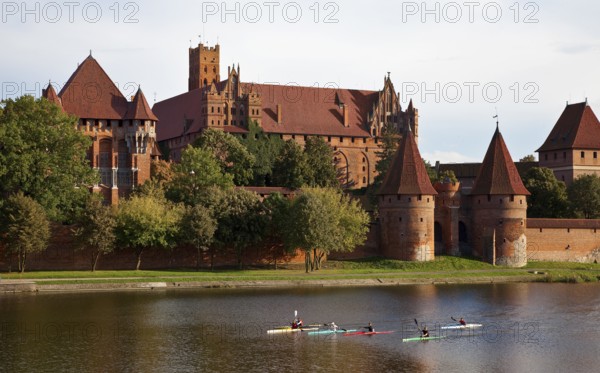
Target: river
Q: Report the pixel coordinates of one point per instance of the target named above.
(527, 327)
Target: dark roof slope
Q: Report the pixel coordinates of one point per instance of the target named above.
(577, 128)
(407, 173)
(498, 173)
(50, 95)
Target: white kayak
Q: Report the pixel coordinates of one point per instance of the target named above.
(468, 326)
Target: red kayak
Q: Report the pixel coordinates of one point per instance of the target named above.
(367, 333)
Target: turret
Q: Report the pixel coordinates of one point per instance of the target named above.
(499, 206)
(406, 206)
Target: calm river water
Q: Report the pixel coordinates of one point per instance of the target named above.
(528, 328)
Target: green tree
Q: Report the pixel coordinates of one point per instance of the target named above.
(528, 158)
(148, 223)
(291, 167)
(323, 220)
(278, 211)
(242, 222)
(584, 196)
(389, 140)
(96, 230)
(233, 157)
(265, 148)
(548, 197)
(319, 158)
(43, 155)
(447, 177)
(26, 227)
(197, 170)
(198, 229)
(431, 172)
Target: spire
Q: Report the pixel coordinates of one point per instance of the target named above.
(498, 173)
(50, 94)
(139, 108)
(410, 107)
(407, 173)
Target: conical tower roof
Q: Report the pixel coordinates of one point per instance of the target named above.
(50, 95)
(139, 108)
(407, 173)
(498, 173)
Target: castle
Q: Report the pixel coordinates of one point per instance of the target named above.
(484, 215)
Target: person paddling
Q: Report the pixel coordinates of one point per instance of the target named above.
(425, 332)
(369, 328)
(333, 326)
(462, 322)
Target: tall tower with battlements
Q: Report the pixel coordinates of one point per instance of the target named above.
(204, 66)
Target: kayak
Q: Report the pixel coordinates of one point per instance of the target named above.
(306, 326)
(331, 331)
(289, 330)
(366, 333)
(416, 339)
(468, 326)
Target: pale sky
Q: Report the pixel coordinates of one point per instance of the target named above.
(458, 61)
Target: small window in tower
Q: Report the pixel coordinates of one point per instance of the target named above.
(305, 138)
(341, 139)
(364, 140)
(419, 198)
(512, 198)
(364, 180)
(595, 155)
(389, 200)
(541, 230)
(489, 198)
(563, 177)
(421, 220)
(409, 199)
(364, 160)
(328, 138)
(427, 200)
(212, 109)
(293, 137)
(364, 169)
(399, 219)
(582, 154)
(225, 122)
(500, 200)
(353, 140)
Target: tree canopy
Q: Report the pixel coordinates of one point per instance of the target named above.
(43, 155)
(319, 159)
(548, 197)
(291, 169)
(96, 229)
(148, 222)
(233, 157)
(584, 196)
(265, 148)
(26, 227)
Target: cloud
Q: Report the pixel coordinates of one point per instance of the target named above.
(577, 48)
(448, 157)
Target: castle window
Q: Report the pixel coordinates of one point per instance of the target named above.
(512, 198)
(409, 199)
(212, 122)
(328, 138)
(421, 220)
(521, 201)
(305, 137)
(341, 139)
(500, 200)
(212, 109)
(568, 230)
(389, 200)
(427, 200)
(219, 110)
(364, 140)
(541, 230)
(489, 198)
(353, 140)
(364, 160)
(293, 137)
(225, 122)
(364, 169)
(563, 177)
(595, 155)
(242, 123)
(219, 122)
(399, 219)
(364, 180)
(582, 154)
(419, 198)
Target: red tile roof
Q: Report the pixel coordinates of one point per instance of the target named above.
(577, 128)
(407, 173)
(305, 110)
(50, 94)
(498, 173)
(139, 108)
(179, 115)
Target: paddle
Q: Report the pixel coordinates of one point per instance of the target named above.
(453, 319)
(418, 328)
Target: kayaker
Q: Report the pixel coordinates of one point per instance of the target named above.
(425, 332)
(297, 323)
(333, 326)
(462, 322)
(369, 328)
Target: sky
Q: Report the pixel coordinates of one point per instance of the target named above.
(461, 62)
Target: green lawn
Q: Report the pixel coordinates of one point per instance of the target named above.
(444, 267)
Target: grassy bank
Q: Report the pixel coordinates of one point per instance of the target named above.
(443, 268)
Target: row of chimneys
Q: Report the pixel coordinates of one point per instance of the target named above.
(344, 108)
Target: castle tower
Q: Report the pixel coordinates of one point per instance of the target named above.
(204, 66)
(572, 147)
(499, 208)
(406, 206)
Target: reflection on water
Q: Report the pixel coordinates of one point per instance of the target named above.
(528, 327)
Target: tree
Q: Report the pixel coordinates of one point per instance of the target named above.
(528, 158)
(431, 172)
(96, 230)
(242, 222)
(319, 158)
(232, 156)
(197, 170)
(265, 149)
(584, 196)
(447, 177)
(43, 155)
(26, 227)
(147, 222)
(278, 211)
(548, 197)
(390, 140)
(291, 167)
(199, 228)
(323, 220)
